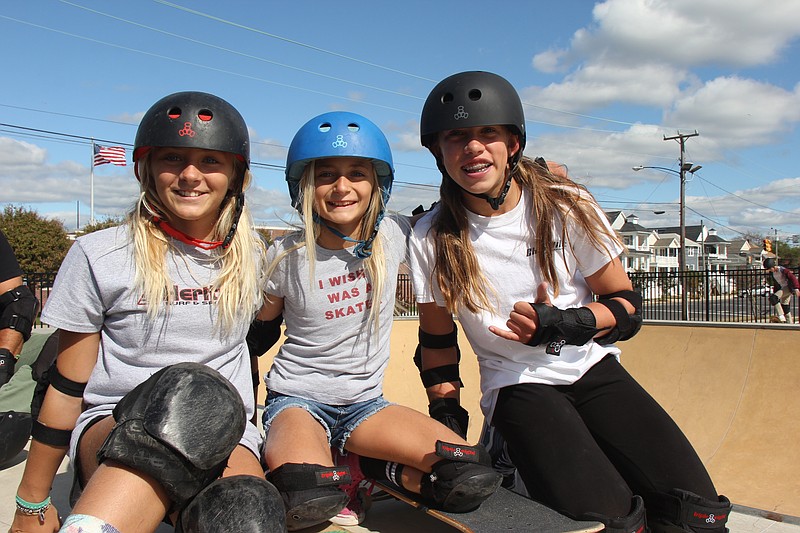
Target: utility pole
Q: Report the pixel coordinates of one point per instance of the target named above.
(681, 138)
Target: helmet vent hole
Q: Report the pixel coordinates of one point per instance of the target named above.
(174, 112)
(447, 98)
(325, 127)
(475, 94)
(205, 115)
(353, 127)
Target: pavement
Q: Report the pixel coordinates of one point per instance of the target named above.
(385, 516)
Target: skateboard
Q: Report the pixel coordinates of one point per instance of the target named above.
(502, 511)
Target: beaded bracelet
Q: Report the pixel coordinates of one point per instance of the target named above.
(32, 509)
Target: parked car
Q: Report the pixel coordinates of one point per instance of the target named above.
(755, 291)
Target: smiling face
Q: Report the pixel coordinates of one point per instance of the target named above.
(191, 184)
(343, 188)
(477, 158)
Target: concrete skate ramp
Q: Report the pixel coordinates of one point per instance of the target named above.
(735, 392)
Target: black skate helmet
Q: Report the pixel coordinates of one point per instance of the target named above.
(769, 262)
(193, 119)
(470, 99)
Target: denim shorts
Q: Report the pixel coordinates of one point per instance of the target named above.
(339, 421)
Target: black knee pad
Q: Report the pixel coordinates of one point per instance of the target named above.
(683, 511)
(773, 299)
(633, 522)
(15, 430)
(787, 308)
(462, 480)
(179, 427)
(310, 492)
(237, 503)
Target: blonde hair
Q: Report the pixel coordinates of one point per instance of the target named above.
(456, 268)
(374, 265)
(237, 285)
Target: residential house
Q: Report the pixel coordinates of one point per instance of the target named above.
(636, 238)
(744, 254)
(666, 250)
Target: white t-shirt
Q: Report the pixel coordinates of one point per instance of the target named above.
(94, 291)
(331, 353)
(504, 247)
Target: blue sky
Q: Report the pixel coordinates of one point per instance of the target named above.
(602, 84)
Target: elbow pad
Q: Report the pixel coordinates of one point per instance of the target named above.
(440, 374)
(627, 325)
(18, 309)
(263, 335)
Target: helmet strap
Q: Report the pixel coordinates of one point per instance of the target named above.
(363, 248)
(199, 243)
(237, 213)
(498, 200)
(164, 226)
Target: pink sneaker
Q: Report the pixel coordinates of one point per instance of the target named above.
(359, 501)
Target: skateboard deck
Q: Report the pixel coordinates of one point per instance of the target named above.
(502, 511)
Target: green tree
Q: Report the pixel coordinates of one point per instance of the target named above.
(789, 256)
(97, 225)
(39, 243)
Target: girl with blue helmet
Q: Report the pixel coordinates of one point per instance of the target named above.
(334, 281)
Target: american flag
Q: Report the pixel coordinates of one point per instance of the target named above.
(109, 154)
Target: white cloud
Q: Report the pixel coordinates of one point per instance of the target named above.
(738, 112)
(16, 155)
(598, 85)
(681, 32)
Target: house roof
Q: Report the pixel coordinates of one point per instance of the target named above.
(630, 227)
(716, 239)
(692, 232)
(665, 242)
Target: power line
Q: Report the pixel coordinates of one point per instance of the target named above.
(300, 69)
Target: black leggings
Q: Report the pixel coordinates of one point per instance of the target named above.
(589, 446)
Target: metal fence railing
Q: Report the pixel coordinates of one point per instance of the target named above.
(725, 296)
(710, 296)
(40, 284)
(706, 296)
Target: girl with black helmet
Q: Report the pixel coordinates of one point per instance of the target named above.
(152, 392)
(334, 281)
(519, 254)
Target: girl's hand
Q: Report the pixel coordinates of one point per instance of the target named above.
(30, 523)
(523, 320)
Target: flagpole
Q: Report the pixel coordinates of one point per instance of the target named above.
(91, 188)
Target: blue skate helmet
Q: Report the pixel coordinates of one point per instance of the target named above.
(341, 134)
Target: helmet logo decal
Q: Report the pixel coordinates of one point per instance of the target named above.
(187, 130)
(339, 142)
(460, 113)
